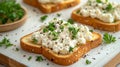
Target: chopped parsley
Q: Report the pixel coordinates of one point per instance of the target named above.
(10, 10)
(109, 7)
(45, 30)
(78, 11)
(5, 42)
(39, 58)
(55, 34)
(71, 21)
(98, 1)
(91, 30)
(17, 49)
(51, 26)
(34, 40)
(108, 38)
(29, 58)
(43, 18)
(61, 27)
(74, 31)
(71, 49)
(58, 14)
(88, 62)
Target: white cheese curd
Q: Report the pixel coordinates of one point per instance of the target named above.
(51, 1)
(61, 36)
(101, 9)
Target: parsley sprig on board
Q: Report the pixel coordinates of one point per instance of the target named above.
(10, 11)
(108, 38)
(5, 42)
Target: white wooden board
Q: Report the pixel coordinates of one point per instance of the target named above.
(99, 56)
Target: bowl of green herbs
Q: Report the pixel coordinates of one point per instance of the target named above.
(12, 15)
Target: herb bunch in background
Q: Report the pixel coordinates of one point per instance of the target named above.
(10, 11)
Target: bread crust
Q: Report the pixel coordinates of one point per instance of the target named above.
(96, 23)
(65, 60)
(50, 7)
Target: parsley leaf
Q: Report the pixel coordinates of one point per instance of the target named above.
(61, 27)
(29, 58)
(55, 34)
(5, 42)
(71, 21)
(91, 30)
(88, 62)
(39, 58)
(43, 18)
(71, 49)
(58, 14)
(74, 32)
(34, 40)
(109, 7)
(98, 1)
(17, 49)
(108, 38)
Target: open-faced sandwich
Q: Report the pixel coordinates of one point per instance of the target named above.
(49, 6)
(12, 15)
(100, 14)
(61, 42)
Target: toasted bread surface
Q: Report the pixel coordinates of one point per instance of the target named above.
(96, 23)
(68, 59)
(52, 7)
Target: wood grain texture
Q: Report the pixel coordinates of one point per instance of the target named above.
(8, 62)
(114, 62)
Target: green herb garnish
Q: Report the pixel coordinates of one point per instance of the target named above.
(34, 40)
(74, 32)
(55, 34)
(91, 30)
(98, 1)
(108, 38)
(71, 49)
(78, 11)
(10, 10)
(43, 18)
(88, 62)
(45, 30)
(29, 58)
(61, 27)
(109, 7)
(58, 14)
(71, 21)
(5, 42)
(17, 49)
(39, 59)
(51, 26)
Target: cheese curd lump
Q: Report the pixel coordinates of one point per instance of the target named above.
(61, 37)
(101, 9)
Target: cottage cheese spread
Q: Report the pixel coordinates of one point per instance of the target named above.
(101, 9)
(51, 1)
(61, 36)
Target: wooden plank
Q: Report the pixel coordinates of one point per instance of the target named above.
(114, 62)
(8, 62)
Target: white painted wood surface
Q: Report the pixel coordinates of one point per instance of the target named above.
(99, 56)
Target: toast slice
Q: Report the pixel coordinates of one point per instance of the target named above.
(52, 7)
(96, 23)
(68, 59)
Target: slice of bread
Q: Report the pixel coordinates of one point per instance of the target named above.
(68, 59)
(96, 23)
(52, 7)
